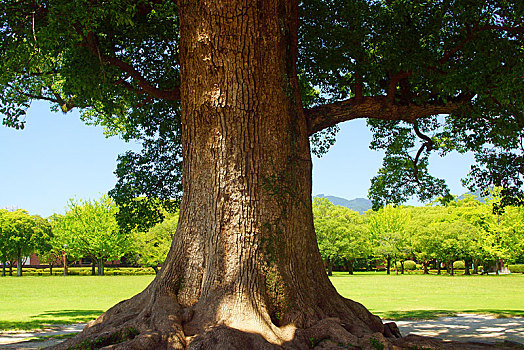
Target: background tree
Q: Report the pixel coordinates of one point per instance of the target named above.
(387, 227)
(329, 232)
(22, 235)
(356, 235)
(7, 252)
(503, 231)
(66, 241)
(341, 234)
(89, 229)
(424, 238)
(476, 215)
(151, 247)
(232, 81)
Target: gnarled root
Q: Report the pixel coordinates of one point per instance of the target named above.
(149, 320)
(153, 319)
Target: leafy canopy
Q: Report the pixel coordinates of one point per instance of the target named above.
(439, 75)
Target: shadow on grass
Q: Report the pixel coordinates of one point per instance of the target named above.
(432, 314)
(69, 313)
(50, 318)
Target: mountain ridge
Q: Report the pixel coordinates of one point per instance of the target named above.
(357, 204)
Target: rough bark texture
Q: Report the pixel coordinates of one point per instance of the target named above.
(244, 270)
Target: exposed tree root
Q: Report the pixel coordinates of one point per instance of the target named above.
(154, 320)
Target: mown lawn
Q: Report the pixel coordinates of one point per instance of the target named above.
(31, 302)
(422, 296)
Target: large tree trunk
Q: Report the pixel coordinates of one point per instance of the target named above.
(244, 270)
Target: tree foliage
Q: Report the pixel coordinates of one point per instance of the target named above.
(426, 54)
(21, 235)
(89, 230)
(399, 63)
(341, 233)
(151, 247)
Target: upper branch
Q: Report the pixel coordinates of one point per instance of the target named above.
(471, 32)
(91, 42)
(428, 145)
(377, 107)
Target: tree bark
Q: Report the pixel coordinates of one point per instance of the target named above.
(467, 263)
(244, 270)
(425, 270)
(330, 267)
(100, 268)
(3, 269)
(19, 263)
(388, 265)
(351, 263)
(395, 265)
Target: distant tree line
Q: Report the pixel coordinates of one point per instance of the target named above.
(88, 230)
(437, 234)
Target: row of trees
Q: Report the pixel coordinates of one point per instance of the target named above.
(88, 229)
(461, 230)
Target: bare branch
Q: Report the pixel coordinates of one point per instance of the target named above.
(428, 145)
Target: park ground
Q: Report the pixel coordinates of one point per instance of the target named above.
(482, 308)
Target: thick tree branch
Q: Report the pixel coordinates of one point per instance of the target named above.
(377, 107)
(393, 82)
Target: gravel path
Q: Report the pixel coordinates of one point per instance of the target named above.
(18, 340)
(463, 327)
(468, 327)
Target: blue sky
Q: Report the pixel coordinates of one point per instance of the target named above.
(57, 157)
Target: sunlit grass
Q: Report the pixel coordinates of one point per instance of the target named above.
(31, 302)
(422, 296)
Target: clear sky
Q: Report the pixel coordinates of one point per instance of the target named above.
(57, 157)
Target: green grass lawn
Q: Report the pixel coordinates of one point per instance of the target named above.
(428, 296)
(31, 302)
